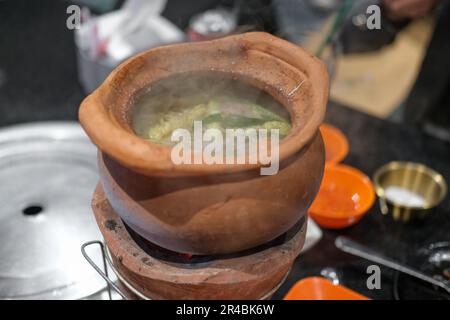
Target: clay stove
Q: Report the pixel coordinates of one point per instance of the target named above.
(206, 231)
(157, 273)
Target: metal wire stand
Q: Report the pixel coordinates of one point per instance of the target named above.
(107, 262)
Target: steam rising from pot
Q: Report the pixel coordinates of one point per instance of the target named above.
(218, 104)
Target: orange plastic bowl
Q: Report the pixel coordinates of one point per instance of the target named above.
(317, 288)
(344, 197)
(336, 144)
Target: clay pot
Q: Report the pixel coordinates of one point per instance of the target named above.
(210, 209)
(253, 274)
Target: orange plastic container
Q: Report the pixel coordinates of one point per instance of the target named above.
(317, 288)
(336, 144)
(344, 197)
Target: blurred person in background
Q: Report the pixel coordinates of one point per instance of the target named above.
(407, 9)
(428, 103)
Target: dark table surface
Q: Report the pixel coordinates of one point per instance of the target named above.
(38, 81)
(374, 142)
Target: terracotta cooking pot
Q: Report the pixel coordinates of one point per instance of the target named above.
(220, 208)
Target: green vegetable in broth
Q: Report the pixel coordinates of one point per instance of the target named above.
(231, 121)
(216, 99)
(243, 107)
(283, 126)
(171, 121)
(221, 113)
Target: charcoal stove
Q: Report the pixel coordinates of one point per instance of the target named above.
(147, 271)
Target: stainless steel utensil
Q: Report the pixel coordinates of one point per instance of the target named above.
(359, 250)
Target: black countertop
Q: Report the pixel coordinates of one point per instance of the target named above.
(374, 142)
(38, 73)
(38, 81)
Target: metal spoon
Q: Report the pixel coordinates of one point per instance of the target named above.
(356, 249)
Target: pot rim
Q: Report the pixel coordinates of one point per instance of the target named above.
(150, 158)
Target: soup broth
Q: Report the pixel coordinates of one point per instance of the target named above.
(217, 100)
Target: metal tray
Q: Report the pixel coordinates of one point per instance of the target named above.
(47, 176)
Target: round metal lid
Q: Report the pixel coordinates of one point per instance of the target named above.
(47, 176)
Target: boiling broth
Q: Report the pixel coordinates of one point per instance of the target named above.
(217, 100)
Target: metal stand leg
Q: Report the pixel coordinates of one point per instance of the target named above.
(104, 274)
(107, 261)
